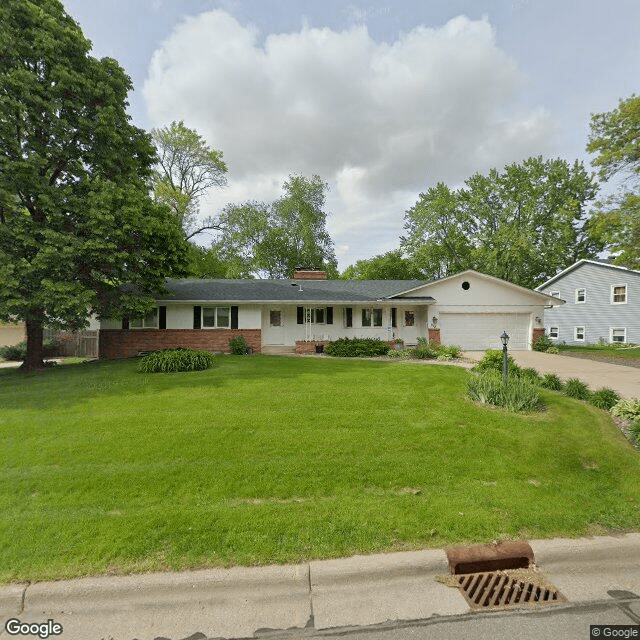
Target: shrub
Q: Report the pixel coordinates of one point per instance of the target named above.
(357, 347)
(448, 351)
(604, 399)
(627, 409)
(575, 388)
(18, 351)
(542, 343)
(634, 432)
(400, 353)
(492, 361)
(517, 395)
(425, 350)
(170, 360)
(529, 374)
(554, 350)
(238, 346)
(551, 381)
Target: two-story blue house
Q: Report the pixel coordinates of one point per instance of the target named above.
(602, 304)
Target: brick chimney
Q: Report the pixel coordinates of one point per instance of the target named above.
(309, 274)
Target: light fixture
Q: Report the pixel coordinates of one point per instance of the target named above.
(505, 363)
(505, 338)
(434, 321)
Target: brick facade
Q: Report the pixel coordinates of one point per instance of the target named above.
(536, 333)
(309, 346)
(434, 335)
(123, 343)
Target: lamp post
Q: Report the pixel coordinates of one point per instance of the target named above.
(505, 365)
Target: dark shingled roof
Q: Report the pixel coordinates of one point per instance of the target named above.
(287, 290)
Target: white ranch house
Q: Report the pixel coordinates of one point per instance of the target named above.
(300, 315)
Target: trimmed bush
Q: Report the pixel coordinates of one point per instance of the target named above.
(171, 360)
(604, 399)
(517, 395)
(577, 389)
(551, 381)
(627, 409)
(543, 343)
(357, 348)
(492, 361)
(238, 346)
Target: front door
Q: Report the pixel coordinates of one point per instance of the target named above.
(409, 326)
(274, 329)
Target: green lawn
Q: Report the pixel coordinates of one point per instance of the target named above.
(622, 353)
(276, 459)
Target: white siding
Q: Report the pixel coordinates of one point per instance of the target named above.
(597, 314)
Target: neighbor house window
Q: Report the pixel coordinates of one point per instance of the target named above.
(216, 317)
(150, 321)
(581, 295)
(372, 317)
(553, 332)
(619, 294)
(578, 334)
(618, 334)
(409, 318)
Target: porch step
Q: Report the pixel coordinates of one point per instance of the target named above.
(278, 350)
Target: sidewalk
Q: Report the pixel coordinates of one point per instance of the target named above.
(363, 590)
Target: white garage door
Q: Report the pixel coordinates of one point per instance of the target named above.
(479, 331)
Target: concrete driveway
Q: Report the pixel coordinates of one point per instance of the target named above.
(624, 380)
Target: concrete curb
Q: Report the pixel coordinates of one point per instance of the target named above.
(361, 590)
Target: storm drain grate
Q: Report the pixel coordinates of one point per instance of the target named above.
(498, 589)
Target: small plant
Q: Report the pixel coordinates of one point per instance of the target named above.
(551, 381)
(577, 389)
(530, 375)
(17, 352)
(627, 409)
(554, 350)
(357, 348)
(604, 399)
(634, 432)
(172, 360)
(238, 346)
(543, 343)
(517, 395)
(425, 351)
(449, 351)
(400, 354)
(492, 361)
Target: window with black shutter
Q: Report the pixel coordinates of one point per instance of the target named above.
(348, 317)
(394, 321)
(329, 315)
(162, 317)
(300, 315)
(197, 319)
(234, 317)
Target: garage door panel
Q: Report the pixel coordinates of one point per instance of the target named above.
(475, 331)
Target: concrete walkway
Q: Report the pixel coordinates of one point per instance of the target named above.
(362, 590)
(624, 380)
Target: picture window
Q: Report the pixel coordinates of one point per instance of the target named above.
(216, 317)
(150, 321)
(372, 317)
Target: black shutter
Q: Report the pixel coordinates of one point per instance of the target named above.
(125, 324)
(329, 315)
(234, 317)
(349, 317)
(162, 317)
(300, 315)
(394, 321)
(197, 319)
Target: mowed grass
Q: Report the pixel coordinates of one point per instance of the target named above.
(630, 353)
(274, 459)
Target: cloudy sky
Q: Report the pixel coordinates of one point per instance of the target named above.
(382, 99)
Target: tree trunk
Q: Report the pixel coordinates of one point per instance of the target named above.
(33, 360)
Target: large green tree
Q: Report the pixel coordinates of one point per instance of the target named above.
(387, 266)
(522, 224)
(76, 218)
(615, 139)
(187, 168)
(272, 240)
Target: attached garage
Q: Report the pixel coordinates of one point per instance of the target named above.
(480, 331)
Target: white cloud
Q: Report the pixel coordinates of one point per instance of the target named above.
(378, 121)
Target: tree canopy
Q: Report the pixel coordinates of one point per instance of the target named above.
(273, 239)
(523, 224)
(76, 219)
(387, 266)
(186, 169)
(615, 139)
